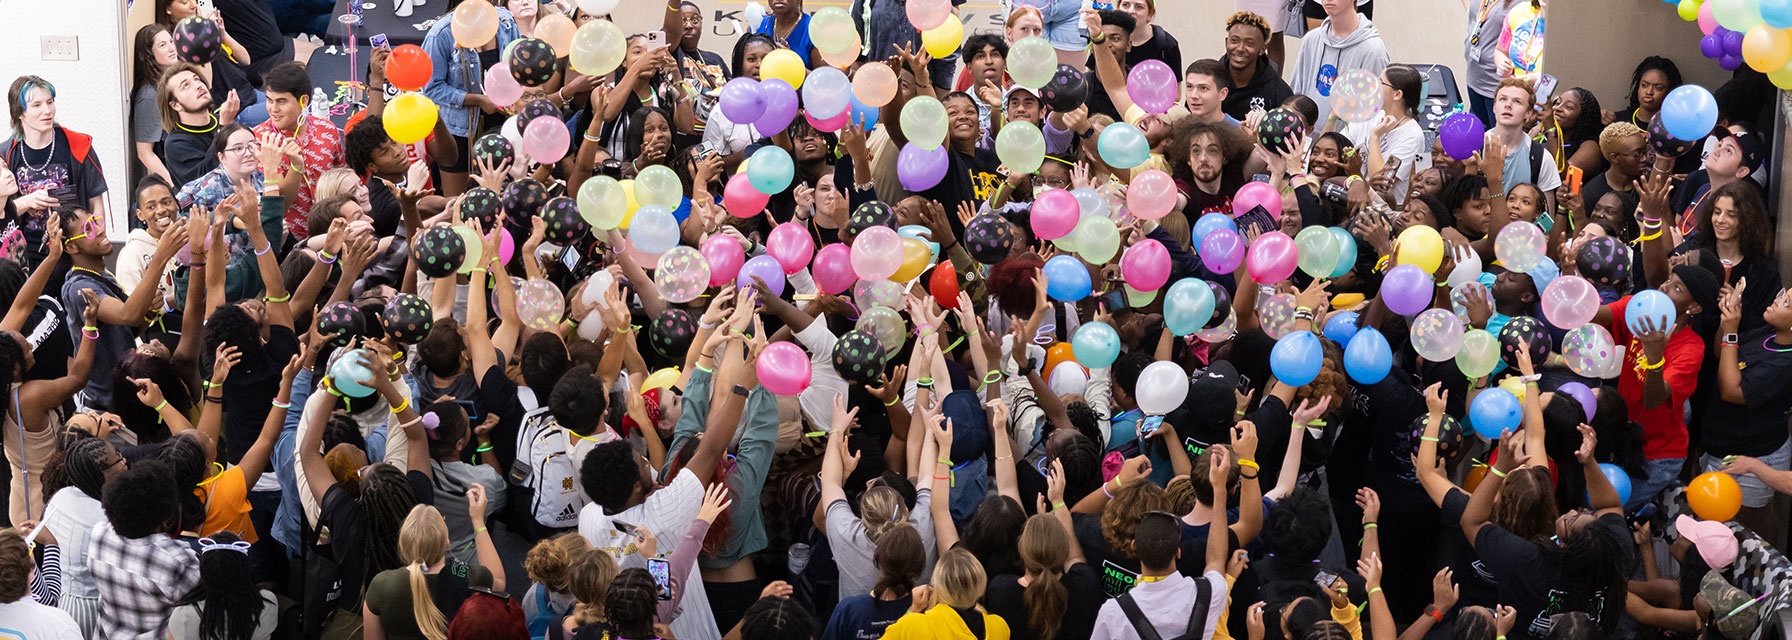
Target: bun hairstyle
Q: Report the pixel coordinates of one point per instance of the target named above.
(880, 510)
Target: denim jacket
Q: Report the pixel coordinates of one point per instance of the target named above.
(457, 72)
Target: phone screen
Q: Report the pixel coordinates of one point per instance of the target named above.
(472, 411)
(1149, 426)
(1546, 88)
(661, 569)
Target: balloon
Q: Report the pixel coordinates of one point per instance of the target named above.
(1707, 22)
(1436, 334)
(941, 41)
(1368, 358)
(553, 28)
(1146, 265)
(408, 68)
(1468, 269)
(1730, 62)
(1058, 353)
(540, 304)
(1296, 358)
(475, 250)
(1032, 61)
(920, 168)
(1494, 412)
(1123, 146)
(1653, 305)
(1735, 15)
(770, 170)
(1021, 146)
(1096, 345)
(407, 318)
(829, 125)
(1618, 479)
(672, 332)
(859, 357)
(561, 222)
(1340, 327)
(1689, 112)
(1519, 246)
(831, 29)
(915, 256)
(924, 122)
(1152, 84)
(653, 230)
(875, 84)
(1524, 330)
(1664, 143)
(1732, 40)
(780, 106)
(346, 372)
(791, 245)
(1279, 127)
(546, 140)
(1590, 351)
(500, 86)
(602, 202)
(197, 40)
(765, 268)
(1570, 301)
(1346, 252)
(827, 93)
(532, 61)
(1766, 48)
(1221, 251)
(1582, 395)
(1421, 246)
(1711, 47)
(1097, 239)
(1714, 495)
(1066, 90)
(341, 323)
(928, 14)
(1161, 388)
(1776, 13)
(1208, 222)
(783, 64)
(832, 269)
(595, 286)
(1069, 380)
(597, 48)
(1257, 194)
(784, 367)
(1272, 258)
(409, 117)
(741, 199)
(1462, 135)
(1479, 354)
(876, 253)
(1406, 289)
(474, 24)
(602, 8)
(1188, 306)
(944, 285)
(1318, 251)
(682, 274)
(1221, 331)
(1068, 279)
(1357, 95)
(1151, 194)
(742, 100)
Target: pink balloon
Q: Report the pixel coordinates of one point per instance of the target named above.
(740, 198)
(507, 247)
(1146, 265)
(1055, 214)
(784, 368)
(1272, 258)
(500, 86)
(546, 140)
(791, 244)
(1255, 194)
(831, 124)
(725, 258)
(832, 269)
(928, 14)
(1570, 301)
(1151, 195)
(1707, 22)
(1222, 251)
(1153, 86)
(876, 253)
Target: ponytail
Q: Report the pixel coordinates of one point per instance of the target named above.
(1044, 548)
(429, 618)
(422, 541)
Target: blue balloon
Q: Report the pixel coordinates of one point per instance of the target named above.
(1652, 304)
(863, 115)
(771, 169)
(1494, 411)
(1368, 357)
(345, 373)
(1341, 326)
(1346, 251)
(1777, 13)
(1096, 345)
(1188, 306)
(1069, 279)
(1619, 480)
(1296, 358)
(1123, 146)
(1209, 222)
(1689, 112)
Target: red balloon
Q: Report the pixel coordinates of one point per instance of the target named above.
(409, 68)
(944, 285)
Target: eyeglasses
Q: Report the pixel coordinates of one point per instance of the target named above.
(693, 21)
(244, 149)
(89, 228)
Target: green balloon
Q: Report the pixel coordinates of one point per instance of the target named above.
(1097, 239)
(1021, 146)
(1318, 251)
(1480, 353)
(924, 122)
(602, 202)
(1032, 61)
(658, 186)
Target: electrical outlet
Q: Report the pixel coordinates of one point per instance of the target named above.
(60, 48)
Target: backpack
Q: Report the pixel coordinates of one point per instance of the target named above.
(1197, 615)
(545, 466)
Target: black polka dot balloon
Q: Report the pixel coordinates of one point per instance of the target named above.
(1527, 330)
(1279, 128)
(1604, 260)
(532, 62)
(481, 204)
(340, 323)
(989, 238)
(561, 221)
(1449, 437)
(439, 251)
(859, 357)
(1222, 304)
(407, 318)
(197, 40)
(870, 214)
(493, 149)
(1066, 91)
(523, 198)
(535, 109)
(672, 332)
(1664, 143)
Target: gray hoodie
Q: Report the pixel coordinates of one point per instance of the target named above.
(1324, 57)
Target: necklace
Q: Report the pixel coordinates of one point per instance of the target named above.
(47, 156)
(1767, 343)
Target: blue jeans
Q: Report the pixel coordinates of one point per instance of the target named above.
(256, 113)
(1482, 107)
(1755, 493)
(1658, 475)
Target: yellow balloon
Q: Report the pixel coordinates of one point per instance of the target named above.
(783, 64)
(941, 41)
(1514, 385)
(409, 117)
(660, 379)
(475, 249)
(597, 48)
(1782, 78)
(1766, 49)
(628, 212)
(915, 256)
(557, 31)
(1422, 246)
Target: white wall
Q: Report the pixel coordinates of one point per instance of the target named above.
(92, 94)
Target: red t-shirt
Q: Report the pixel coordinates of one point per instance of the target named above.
(320, 144)
(1664, 427)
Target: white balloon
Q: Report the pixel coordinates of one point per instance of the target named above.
(1162, 387)
(598, 7)
(596, 286)
(1468, 268)
(592, 327)
(753, 14)
(1068, 378)
(510, 132)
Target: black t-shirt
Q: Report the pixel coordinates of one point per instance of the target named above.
(1161, 46)
(495, 393)
(252, 23)
(1193, 561)
(72, 182)
(384, 210)
(1479, 586)
(1117, 572)
(1099, 102)
(51, 345)
(250, 390)
(1006, 598)
(971, 179)
(1530, 575)
(1594, 189)
(188, 153)
(1757, 428)
(1201, 202)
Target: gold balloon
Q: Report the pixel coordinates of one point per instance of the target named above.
(597, 48)
(915, 256)
(557, 30)
(475, 23)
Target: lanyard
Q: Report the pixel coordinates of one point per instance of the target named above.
(1480, 22)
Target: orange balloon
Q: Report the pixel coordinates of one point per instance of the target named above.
(409, 68)
(915, 256)
(1475, 476)
(844, 57)
(557, 30)
(475, 23)
(1057, 354)
(874, 84)
(1714, 495)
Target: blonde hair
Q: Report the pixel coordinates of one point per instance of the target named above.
(338, 181)
(421, 542)
(958, 579)
(547, 562)
(881, 508)
(588, 579)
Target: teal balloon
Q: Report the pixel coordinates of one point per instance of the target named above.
(1367, 358)
(1096, 345)
(1346, 251)
(1188, 306)
(1021, 146)
(345, 372)
(1123, 146)
(1777, 13)
(770, 170)
(1296, 358)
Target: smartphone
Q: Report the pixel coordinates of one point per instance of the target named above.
(655, 39)
(1546, 88)
(1086, 5)
(378, 40)
(1643, 514)
(569, 258)
(1325, 579)
(661, 569)
(1149, 426)
(472, 412)
(1546, 223)
(1574, 176)
(1114, 300)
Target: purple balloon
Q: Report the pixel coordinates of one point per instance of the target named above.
(767, 268)
(1222, 251)
(1153, 85)
(1462, 134)
(1407, 289)
(921, 169)
(1730, 61)
(1580, 392)
(1733, 42)
(1711, 47)
(743, 100)
(780, 107)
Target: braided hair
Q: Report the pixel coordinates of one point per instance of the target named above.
(1593, 575)
(385, 501)
(775, 618)
(12, 368)
(83, 464)
(229, 603)
(1326, 630)
(186, 458)
(1475, 623)
(631, 602)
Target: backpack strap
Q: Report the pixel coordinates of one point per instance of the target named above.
(1197, 614)
(1140, 623)
(1537, 152)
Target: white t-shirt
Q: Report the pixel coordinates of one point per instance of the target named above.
(1166, 604)
(824, 381)
(667, 513)
(70, 517)
(1405, 143)
(25, 619)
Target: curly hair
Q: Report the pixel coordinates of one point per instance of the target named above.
(630, 603)
(142, 500)
(1613, 133)
(84, 461)
(1754, 228)
(610, 474)
(775, 618)
(12, 366)
(484, 615)
(1233, 147)
(991, 533)
(1011, 282)
(549, 561)
(1082, 466)
(588, 576)
(1181, 492)
(1249, 19)
(1527, 504)
(232, 325)
(1298, 525)
(1120, 520)
(360, 143)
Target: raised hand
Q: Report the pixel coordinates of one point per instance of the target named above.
(225, 359)
(1444, 591)
(715, 501)
(1370, 503)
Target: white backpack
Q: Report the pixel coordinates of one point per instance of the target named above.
(547, 463)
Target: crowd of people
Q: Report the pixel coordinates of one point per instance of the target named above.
(869, 329)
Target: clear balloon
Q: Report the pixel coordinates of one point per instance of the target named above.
(1735, 15)
(1222, 251)
(875, 85)
(876, 253)
(827, 93)
(540, 305)
(1220, 332)
(602, 202)
(1188, 306)
(1590, 351)
(1090, 202)
(1068, 279)
(920, 168)
(833, 269)
(924, 122)
(1032, 61)
(1152, 85)
(1570, 301)
(1161, 388)
(1272, 258)
(1318, 251)
(1123, 146)
(1055, 214)
(596, 286)
(784, 368)
(682, 275)
(1297, 358)
(791, 245)
(556, 29)
(724, 256)
(1021, 146)
(1146, 265)
(943, 40)
(844, 58)
(1096, 344)
(1097, 239)
(1356, 96)
(1519, 246)
(474, 24)
(1479, 354)
(1277, 314)
(659, 186)
(1368, 358)
(741, 199)
(928, 14)
(783, 64)
(884, 323)
(597, 48)
(771, 169)
(546, 140)
(877, 293)
(781, 104)
(1436, 334)
(653, 230)
(1151, 194)
(831, 29)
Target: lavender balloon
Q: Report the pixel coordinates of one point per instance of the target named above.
(1462, 135)
(1153, 85)
(767, 268)
(921, 169)
(1406, 289)
(780, 107)
(1222, 251)
(743, 100)
(1583, 395)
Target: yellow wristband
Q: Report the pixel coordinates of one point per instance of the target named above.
(1249, 463)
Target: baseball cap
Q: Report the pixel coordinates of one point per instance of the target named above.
(1754, 149)
(1729, 606)
(1715, 542)
(1009, 94)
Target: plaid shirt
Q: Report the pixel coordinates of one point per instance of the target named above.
(139, 581)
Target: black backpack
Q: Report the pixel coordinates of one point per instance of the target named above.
(1197, 615)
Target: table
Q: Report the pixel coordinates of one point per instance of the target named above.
(328, 67)
(379, 16)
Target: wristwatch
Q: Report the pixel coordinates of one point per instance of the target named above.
(1728, 338)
